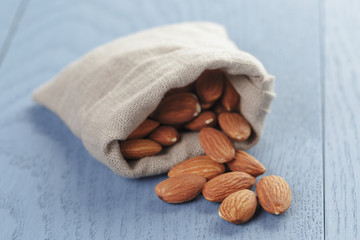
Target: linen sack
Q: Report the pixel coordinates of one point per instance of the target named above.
(106, 94)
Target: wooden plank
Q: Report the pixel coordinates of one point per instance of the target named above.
(10, 12)
(49, 178)
(7, 14)
(342, 119)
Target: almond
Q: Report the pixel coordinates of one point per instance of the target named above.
(209, 86)
(176, 109)
(205, 106)
(230, 97)
(219, 108)
(188, 88)
(180, 189)
(235, 126)
(201, 165)
(165, 135)
(205, 119)
(144, 129)
(238, 207)
(216, 145)
(218, 188)
(274, 194)
(244, 162)
(139, 148)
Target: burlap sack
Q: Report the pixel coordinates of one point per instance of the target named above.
(106, 94)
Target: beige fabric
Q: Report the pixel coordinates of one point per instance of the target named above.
(105, 95)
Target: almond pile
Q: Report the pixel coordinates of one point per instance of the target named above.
(208, 175)
(208, 105)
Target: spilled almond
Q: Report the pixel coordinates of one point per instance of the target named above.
(218, 188)
(180, 189)
(238, 207)
(274, 194)
(201, 165)
(244, 162)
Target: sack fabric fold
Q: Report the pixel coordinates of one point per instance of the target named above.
(106, 94)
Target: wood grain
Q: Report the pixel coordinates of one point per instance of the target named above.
(52, 188)
(11, 13)
(342, 119)
(7, 14)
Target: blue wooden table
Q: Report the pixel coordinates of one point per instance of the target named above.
(51, 188)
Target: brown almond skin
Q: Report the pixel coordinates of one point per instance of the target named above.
(244, 162)
(188, 88)
(180, 189)
(209, 86)
(201, 165)
(165, 135)
(218, 188)
(238, 207)
(205, 119)
(274, 194)
(235, 126)
(205, 106)
(230, 97)
(139, 148)
(145, 128)
(216, 145)
(177, 109)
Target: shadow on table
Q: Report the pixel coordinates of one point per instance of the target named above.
(47, 123)
(267, 221)
(50, 125)
(71, 150)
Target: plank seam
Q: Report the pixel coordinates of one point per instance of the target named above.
(322, 93)
(20, 11)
